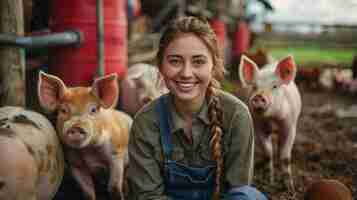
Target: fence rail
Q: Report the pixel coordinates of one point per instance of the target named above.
(329, 36)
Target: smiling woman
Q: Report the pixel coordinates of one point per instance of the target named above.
(187, 68)
(197, 141)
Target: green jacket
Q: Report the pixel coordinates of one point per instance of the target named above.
(145, 175)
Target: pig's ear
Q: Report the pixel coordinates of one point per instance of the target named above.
(106, 89)
(50, 91)
(286, 70)
(139, 81)
(247, 70)
(161, 82)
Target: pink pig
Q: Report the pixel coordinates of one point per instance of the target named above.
(142, 84)
(275, 104)
(94, 135)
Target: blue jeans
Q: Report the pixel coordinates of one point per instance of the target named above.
(246, 193)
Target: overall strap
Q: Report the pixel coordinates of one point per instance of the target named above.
(165, 133)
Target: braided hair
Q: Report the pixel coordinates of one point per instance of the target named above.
(202, 29)
(215, 115)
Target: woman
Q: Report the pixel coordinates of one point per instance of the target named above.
(196, 142)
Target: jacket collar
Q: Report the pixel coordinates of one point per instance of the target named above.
(177, 123)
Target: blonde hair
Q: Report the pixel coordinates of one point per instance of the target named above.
(202, 29)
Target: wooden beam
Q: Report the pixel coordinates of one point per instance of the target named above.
(12, 63)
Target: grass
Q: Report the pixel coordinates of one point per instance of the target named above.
(312, 53)
(316, 54)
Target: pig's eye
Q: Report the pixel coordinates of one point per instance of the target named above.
(275, 86)
(93, 109)
(63, 110)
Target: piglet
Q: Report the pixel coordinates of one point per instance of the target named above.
(142, 84)
(94, 135)
(275, 104)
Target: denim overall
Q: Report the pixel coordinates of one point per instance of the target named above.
(182, 182)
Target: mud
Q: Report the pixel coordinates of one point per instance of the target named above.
(325, 145)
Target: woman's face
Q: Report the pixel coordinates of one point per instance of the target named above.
(187, 68)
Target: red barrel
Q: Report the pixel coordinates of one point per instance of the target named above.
(219, 28)
(241, 39)
(77, 66)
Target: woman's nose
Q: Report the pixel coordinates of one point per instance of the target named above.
(187, 70)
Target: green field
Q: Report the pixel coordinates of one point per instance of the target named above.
(315, 54)
(310, 54)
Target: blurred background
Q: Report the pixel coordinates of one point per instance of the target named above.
(317, 33)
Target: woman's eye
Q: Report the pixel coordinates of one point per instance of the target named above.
(199, 62)
(174, 61)
(275, 86)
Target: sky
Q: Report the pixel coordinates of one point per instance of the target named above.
(314, 11)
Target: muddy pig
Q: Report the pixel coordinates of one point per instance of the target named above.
(275, 104)
(94, 135)
(142, 84)
(32, 162)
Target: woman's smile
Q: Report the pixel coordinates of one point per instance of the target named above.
(186, 86)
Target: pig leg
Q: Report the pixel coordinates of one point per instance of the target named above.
(85, 181)
(286, 142)
(265, 139)
(117, 176)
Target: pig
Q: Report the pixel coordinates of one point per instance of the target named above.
(326, 79)
(31, 156)
(330, 189)
(95, 136)
(142, 84)
(275, 104)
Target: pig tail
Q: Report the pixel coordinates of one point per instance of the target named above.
(215, 115)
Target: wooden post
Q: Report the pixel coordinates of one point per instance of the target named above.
(181, 10)
(354, 67)
(12, 66)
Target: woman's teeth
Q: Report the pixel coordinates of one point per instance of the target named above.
(186, 85)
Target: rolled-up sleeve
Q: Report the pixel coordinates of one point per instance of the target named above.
(239, 159)
(144, 174)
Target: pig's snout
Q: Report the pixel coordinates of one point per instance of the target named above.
(75, 136)
(259, 103)
(76, 132)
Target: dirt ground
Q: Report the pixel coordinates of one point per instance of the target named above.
(325, 145)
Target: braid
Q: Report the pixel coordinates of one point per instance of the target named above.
(215, 115)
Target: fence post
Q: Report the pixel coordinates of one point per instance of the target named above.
(12, 60)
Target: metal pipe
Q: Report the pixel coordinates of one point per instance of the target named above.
(53, 39)
(100, 39)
